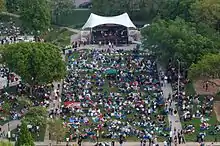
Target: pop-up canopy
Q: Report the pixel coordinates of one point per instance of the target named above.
(96, 20)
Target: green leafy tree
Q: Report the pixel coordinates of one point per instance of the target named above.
(61, 8)
(170, 9)
(207, 12)
(36, 116)
(13, 6)
(5, 143)
(24, 101)
(57, 130)
(24, 138)
(176, 39)
(206, 68)
(114, 7)
(2, 5)
(105, 7)
(6, 107)
(35, 15)
(36, 63)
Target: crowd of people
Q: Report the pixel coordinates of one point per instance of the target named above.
(113, 95)
(11, 33)
(193, 107)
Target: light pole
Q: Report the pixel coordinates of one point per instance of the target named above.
(178, 82)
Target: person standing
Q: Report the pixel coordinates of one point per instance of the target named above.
(141, 142)
(121, 140)
(113, 143)
(144, 142)
(80, 141)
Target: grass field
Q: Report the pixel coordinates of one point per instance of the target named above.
(105, 90)
(58, 36)
(210, 136)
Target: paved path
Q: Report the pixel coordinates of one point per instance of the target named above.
(11, 14)
(72, 30)
(174, 119)
(117, 144)
(10, 126)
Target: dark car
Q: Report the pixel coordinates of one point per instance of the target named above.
(86, 5)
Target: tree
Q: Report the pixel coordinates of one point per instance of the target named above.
(35, 15)
(36, 116)
(207, 12)
(24, 138)
(57, 130)
(61, 8)
(170, 9)
(36, 63)
(176, 39)
(5, 143)
(13, 6)
(2, 5)
(114, 7)
(206, 68)
(105, 7)
(6, 107)
(24, 101)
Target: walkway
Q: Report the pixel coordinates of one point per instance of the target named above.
(167, 89)
(55, 104)
(10, 14)
(117, 144)
(175, 120)
(10, 126)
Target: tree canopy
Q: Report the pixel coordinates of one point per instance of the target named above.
(13, 6)
(181, 30)
(2, 5)
(170, 9)
(206, 68)
(61, 7)
(36, 63)
(207, 12)
(36, 116)
(24, 138)
(137, 9)
(177, 39)
(35, 15)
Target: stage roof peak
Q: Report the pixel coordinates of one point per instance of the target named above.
(96, 20)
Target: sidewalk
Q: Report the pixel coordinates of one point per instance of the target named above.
(117, 144)
(10, 126)
(175, 120)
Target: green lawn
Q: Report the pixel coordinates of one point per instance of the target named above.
(105, 90)
(189, 89)
(196, 122)
(58, 36)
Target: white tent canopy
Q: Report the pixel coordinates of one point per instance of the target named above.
(96, 20)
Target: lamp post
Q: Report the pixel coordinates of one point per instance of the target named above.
(9, 132)
(97, 138)
(178, 82)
